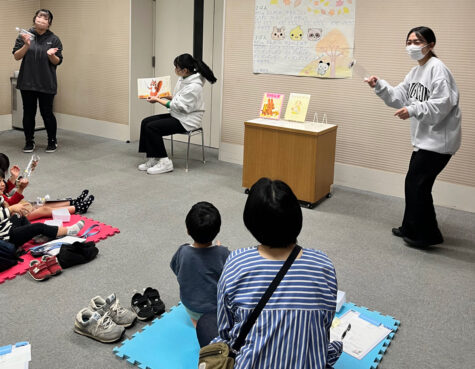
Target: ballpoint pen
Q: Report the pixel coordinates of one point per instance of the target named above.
(346, 331)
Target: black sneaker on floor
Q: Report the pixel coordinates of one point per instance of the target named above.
(29, 146)
(154, 297)
(397, 232)
(423, 243)
(142, 307)
(52, 146)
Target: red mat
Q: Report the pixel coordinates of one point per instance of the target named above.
(22, 267)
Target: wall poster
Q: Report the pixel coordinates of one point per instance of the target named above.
(304, 37)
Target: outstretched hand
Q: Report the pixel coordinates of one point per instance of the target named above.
(14, 172)
(52, 51)
(402, 113)
(371, 81)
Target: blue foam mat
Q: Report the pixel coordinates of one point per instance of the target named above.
(170, 342)
(372, 358)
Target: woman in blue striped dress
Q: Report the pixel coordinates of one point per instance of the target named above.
(293, 330)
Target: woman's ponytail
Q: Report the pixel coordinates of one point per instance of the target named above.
(193, 65)
(205, 71)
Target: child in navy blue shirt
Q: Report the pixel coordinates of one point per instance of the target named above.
(198, 266)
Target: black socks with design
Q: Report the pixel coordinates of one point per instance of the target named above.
(81, 207)
(80, 198)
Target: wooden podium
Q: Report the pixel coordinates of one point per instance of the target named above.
(300, 154)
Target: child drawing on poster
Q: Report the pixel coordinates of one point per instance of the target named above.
(304, 37)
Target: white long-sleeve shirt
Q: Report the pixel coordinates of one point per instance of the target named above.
(187, 104)
(431, 97)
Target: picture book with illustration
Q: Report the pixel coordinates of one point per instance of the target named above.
(271, 105)
(157, 86)
(297, 107)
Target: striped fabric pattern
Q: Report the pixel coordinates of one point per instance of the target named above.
(293, 329)
(5, 224)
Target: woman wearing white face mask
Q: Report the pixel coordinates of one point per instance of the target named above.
(429, 96)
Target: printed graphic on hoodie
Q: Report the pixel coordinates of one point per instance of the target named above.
(418, 91)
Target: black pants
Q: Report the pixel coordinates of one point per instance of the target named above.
(207, 328)
(152, 131)
(22, 230)
(419, 221)
(30, 99)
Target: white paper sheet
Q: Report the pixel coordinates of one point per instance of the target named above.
(361, 338)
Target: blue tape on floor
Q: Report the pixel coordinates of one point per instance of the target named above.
(170, 342)
(372, 358)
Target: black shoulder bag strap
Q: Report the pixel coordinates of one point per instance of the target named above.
(262, 302)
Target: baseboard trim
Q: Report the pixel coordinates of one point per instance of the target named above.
(94, 127)
(5, 122)
(231, 153)
(446, 194)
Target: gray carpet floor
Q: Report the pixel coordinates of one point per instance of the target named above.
(430, 292)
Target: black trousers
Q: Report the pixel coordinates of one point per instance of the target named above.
(22, 230)
(420, 221)
(152, 131)
(30, 99)
(207, 328)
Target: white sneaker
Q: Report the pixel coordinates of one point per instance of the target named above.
(148, 164)
(163, 166)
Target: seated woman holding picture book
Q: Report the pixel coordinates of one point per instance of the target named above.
(186, 112)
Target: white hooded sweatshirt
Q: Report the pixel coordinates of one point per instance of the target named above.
(187, 104)
(431, 97)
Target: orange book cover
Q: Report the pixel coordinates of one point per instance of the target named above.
(271, 105)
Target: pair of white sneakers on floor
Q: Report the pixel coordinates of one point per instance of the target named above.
(157, 166)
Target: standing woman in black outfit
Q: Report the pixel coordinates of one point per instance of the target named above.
(40, 56)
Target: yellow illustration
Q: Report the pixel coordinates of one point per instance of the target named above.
(296, 34)
(297, 107)
(330, 8)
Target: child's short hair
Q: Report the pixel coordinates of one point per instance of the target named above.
(272, 213)
(4, 162)
(203, 222)
(2, 174)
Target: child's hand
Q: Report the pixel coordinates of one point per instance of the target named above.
(18, 208)
(218, 243)
(23, 184)
(14, 172)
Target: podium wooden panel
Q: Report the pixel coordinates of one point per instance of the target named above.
(300, 154)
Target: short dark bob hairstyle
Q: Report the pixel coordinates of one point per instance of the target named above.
(272, 213)
(44, 13)
(203, 222)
